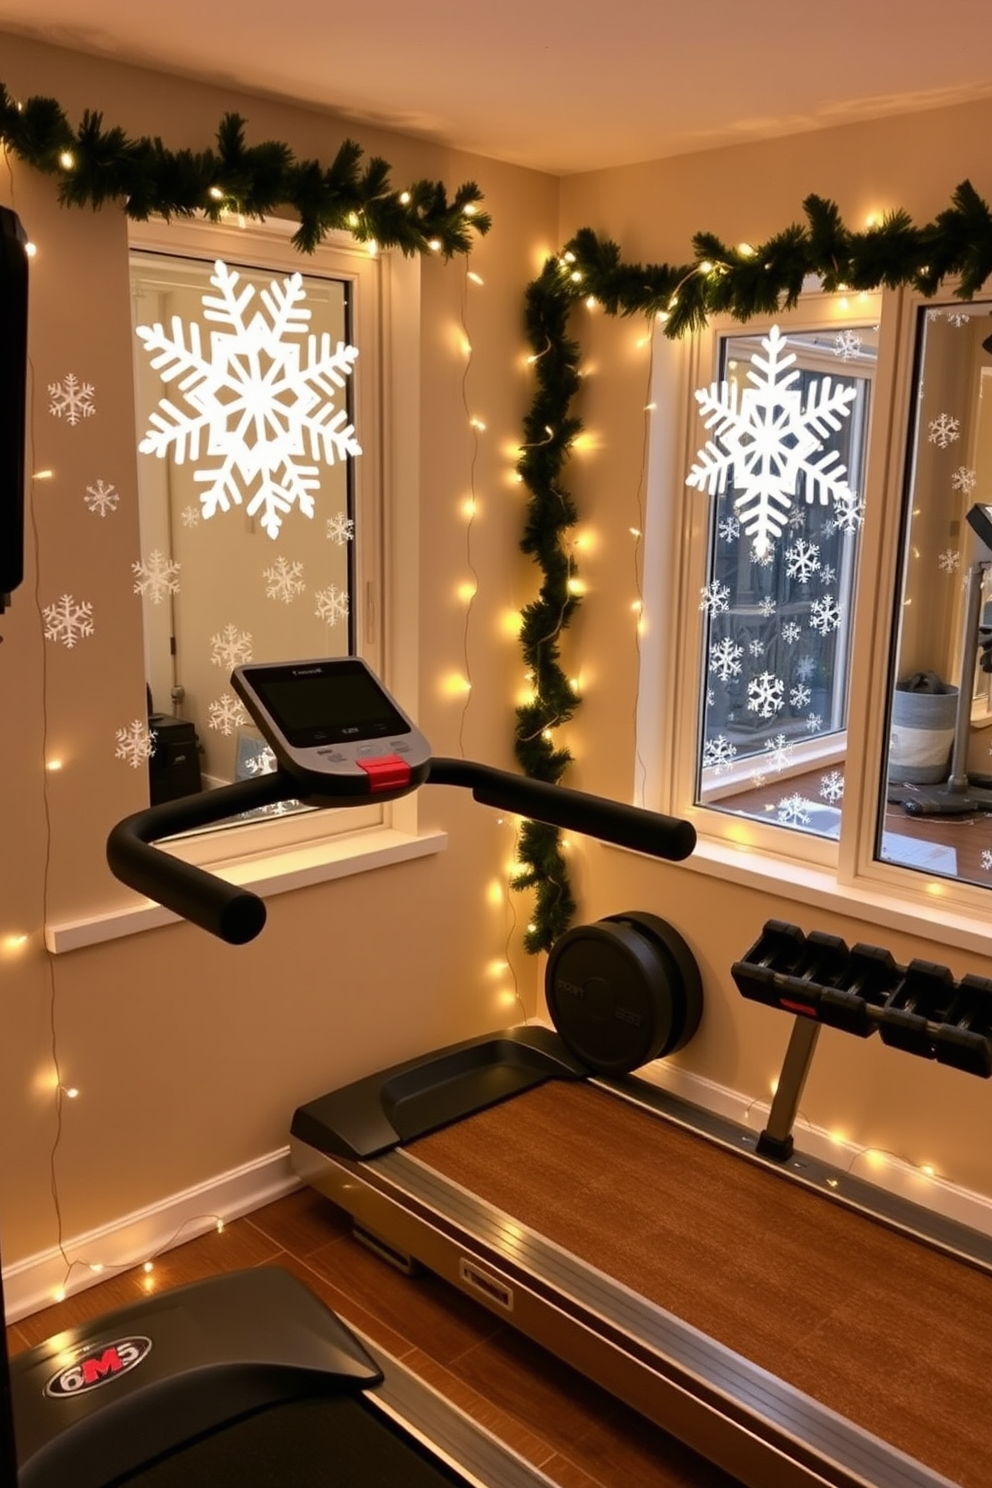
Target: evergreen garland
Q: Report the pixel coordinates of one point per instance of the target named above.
(95, 165)
(743, 282)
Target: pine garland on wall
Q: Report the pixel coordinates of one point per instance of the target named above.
(95, 165)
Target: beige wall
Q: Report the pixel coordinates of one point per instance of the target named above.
(875, 1096)
(189, 1056)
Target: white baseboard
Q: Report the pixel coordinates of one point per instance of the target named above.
(34, 1282)
(884, 1169)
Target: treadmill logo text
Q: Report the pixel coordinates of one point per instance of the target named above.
(98, 1367)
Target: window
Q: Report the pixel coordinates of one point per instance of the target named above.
(834, 806)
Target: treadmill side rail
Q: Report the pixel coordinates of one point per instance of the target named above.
(409, 1100)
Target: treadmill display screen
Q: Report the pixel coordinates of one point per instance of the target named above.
(339, 704)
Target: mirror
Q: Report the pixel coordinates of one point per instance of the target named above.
(938, 771)
(244, 409)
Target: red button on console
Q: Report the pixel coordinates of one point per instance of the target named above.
(386, 772)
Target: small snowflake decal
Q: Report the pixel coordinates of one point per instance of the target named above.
(987, 860)
(190, 516)
(802, 560)
(958, 317)
(832, 787)
(779, 752)
(824, 614)
(767, 607)
(847, 344)
(849, 516)
(714, 598)
(262, 396)
(814, 723)
(794, 811)
(332, 604)
(949, 561)
(765, 695)
(805, 666)
(758, 780)
(134, 744)
(756, 648)
(231, 647)
(340, 529)
(800, 696)
(964, 480)
(725, 659)
(71, 399)
(769, 439)
(762, 557)
(719, 754)
(828, 574)
(943, 430)
(156, 579)
(284, 581)
(262, 763)
(791, 632)
(68, 621)
(102, 498)
(226, 713)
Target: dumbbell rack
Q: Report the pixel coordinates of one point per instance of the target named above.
(919, 1008)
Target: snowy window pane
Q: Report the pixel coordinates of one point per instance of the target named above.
(784, 466)
(246, 469)
(937, 813)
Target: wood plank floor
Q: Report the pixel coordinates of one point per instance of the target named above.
(579, 1436)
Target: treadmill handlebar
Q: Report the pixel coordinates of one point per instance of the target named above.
(237, 915)
(594, 816)
(234, 914)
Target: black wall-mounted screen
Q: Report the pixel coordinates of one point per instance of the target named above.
(13, 398)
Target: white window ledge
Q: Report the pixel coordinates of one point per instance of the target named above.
(926, 914)
(277, 873)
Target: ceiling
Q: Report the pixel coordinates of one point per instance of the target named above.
(560, 87)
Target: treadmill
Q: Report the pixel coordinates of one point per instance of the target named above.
(248, 1379)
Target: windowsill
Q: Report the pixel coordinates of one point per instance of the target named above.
(818, 887)
(279, 872)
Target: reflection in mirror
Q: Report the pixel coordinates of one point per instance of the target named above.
(938, 774)
(247, 513)
(791, 414)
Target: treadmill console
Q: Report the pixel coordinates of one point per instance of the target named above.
(335, 729)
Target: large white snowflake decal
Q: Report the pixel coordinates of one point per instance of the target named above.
(260, 397)
(68, 620)
(768, 439)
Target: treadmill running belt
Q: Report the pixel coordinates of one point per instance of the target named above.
(324, 1442)
(889, 1333)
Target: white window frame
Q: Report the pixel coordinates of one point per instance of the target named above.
(843, 877)
(288, 852)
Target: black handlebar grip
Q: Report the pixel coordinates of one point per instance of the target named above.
(235, 915)
(648, 832)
